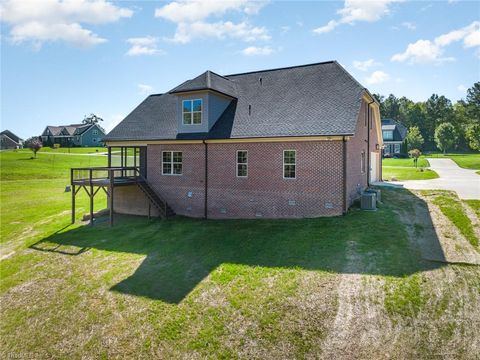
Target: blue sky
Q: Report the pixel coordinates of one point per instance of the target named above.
(63, 60)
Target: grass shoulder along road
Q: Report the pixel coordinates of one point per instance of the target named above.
(467, 161)
(422, 162)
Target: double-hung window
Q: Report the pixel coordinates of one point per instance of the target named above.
(192, 112)
(289, 164)
(172, 163)
(242, 163)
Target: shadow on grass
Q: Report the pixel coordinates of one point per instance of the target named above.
(181, 252)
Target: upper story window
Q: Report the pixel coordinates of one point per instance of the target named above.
(387, 135)
(242, 163)
(172, 163)
(95, 132)
(192, 111)
(289, 164)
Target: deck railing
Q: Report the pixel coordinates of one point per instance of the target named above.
(93, 175)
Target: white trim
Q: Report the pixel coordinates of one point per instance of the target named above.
(237, 163)
(283, 166)
(192, 112)
(172, 162)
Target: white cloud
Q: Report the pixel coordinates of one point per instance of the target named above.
(427, 51)
(143, 46)
(54, 20)
(190, 11)
(144, 89)
(254, 50)
(186, 32)
(191, 17)
(462, 88)
(377, 77)
(365, 65)
(358, 10)
(409, 25)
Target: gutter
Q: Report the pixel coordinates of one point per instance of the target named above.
(344, 210)
(368, 141)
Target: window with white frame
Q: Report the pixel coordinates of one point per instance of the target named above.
(289, 164)
(387, 134)
(242, 163)
(95, 132)
(397, 148)
(192, 112)
(362, 162)
(172, 163)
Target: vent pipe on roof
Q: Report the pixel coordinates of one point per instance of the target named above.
(261, 81)
(249, 110)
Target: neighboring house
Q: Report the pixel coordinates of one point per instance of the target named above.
(73, 135)
(394, 136)
(300, 141)
(9, 140)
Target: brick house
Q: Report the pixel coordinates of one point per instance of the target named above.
(300, 141)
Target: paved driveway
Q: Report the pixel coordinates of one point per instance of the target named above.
(452, 177)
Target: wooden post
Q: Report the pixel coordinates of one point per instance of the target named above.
(110, 192)
(91, 199)
(109, 156)
(73, 204)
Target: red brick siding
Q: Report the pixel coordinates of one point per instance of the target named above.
(174, 188)
(316, 191)
(355, 178)
(265, 192)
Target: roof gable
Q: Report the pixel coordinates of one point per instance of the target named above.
(11, 135)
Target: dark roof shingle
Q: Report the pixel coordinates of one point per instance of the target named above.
(308, 100)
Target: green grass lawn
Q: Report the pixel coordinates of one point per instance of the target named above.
(404, 169)
(231, 289)
(73, 150)
(405, 173)
(452, 208)
(422, 162)
(467, 161)
(33, 193)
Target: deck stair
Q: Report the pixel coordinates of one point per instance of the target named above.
(161, 205)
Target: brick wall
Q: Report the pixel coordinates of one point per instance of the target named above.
(316, 191)
(356, 179)
(184, 193)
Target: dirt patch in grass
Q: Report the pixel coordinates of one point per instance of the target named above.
(436, 237)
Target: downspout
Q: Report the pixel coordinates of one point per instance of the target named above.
(368, 142)
(205, 210)
(344, 210)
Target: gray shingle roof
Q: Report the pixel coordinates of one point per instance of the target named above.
(208, 81)
(307, 100)
(11, 135)
(399, 130)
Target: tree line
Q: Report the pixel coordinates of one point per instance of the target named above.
(437, 124)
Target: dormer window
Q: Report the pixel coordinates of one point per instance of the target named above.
(387, 135)
(192, 112)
